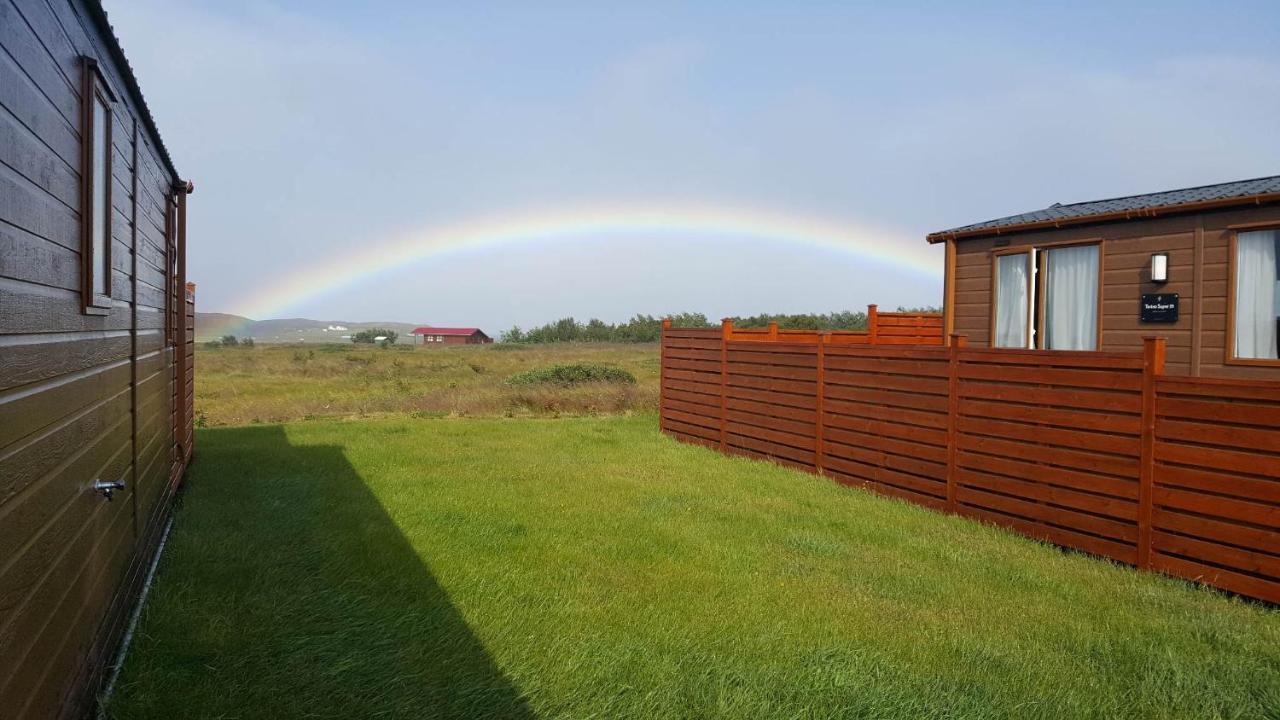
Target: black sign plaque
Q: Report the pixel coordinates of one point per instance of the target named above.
(1159, 308)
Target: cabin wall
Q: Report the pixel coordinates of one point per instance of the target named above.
(1198, 271)
(82, 397)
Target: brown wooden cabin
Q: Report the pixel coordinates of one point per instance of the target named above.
(1080, 277)
(95, 351)
(437, 337)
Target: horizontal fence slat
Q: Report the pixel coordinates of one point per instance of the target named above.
(1050, 437)
(1118, 487)
(1215, 530)
(1268, 590)
(1046, 493)
(1245, 438)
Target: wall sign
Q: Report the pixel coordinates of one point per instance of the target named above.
(1159, 308)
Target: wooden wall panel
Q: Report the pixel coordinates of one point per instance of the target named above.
(82, 397)
(1048, 443)
(1216, 508)
(1192, 349)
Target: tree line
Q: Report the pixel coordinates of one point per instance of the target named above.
(647, 328)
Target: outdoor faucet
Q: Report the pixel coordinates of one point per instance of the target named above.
(108, 487)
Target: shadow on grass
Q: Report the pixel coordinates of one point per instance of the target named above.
(287, 591)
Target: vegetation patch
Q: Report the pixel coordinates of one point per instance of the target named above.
(281, 383)
(573, 374)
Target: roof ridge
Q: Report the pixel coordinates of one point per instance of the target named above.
(1160, 192)
(1186, 199)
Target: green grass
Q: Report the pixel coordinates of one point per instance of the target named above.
(591, 568)
(282, 383)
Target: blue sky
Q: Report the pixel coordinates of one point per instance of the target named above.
(315, 129)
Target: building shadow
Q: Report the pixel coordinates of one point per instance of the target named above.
(288, 592)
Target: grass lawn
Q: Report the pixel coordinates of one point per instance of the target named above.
(280, 383)
(591, 568)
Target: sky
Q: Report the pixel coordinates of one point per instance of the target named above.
(499, 164)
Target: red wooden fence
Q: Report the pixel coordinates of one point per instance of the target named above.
(1090, 450)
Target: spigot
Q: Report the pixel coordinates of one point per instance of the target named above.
(107, 487)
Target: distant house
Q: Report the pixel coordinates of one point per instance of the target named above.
(1199, 266)
(437, 336)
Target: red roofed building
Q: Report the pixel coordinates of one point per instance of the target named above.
(439, 336)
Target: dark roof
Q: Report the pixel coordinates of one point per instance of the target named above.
(444, 331)
(1133, 206)
(99, 16)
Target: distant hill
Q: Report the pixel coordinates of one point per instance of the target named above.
(210, 326)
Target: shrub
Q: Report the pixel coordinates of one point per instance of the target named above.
(372, 335)
(573, 374)
(230, 340)
(246, 342)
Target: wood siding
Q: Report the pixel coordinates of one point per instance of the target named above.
(1198, 271)
(82, 397)
(1099, 451)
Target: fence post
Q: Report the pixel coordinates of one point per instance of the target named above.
(957, 344)
(1153, 350)
(819, 392)
(873, 322)
(773, 331)
(726, 330)
(662, 373)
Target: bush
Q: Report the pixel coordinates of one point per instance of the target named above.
(379, 335)
(246, 342)
(573, 374)
(230, 340)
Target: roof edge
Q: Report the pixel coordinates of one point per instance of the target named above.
(1121, 215)
(99, 16)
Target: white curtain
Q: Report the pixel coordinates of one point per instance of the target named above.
(1256, 294)
(1071, 299)
(1012, 306)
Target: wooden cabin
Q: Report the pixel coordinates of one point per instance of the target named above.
(1199, 266)
(95, 351)
(439, 337)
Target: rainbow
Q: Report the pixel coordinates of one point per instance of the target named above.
(367, 260)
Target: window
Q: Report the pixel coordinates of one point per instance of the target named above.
(1013, 300)
(439, 338)
(1047, 298)
(95, 177)
(1257, 295)
(1071, 298)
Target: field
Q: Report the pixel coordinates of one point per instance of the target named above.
(423, 538)
(591, 568)
(276, 383)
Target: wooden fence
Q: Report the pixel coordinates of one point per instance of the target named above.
(1096, 451)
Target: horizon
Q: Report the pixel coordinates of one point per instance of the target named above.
(503, 165)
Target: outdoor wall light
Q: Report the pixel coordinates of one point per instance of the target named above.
(1160, 267)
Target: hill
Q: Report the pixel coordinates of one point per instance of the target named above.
(286, 330)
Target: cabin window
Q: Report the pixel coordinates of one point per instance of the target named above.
(439, 338)
(1257, 295)
(1013, 300)
(1048, 298)
(95, 220)
(1071, 298)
